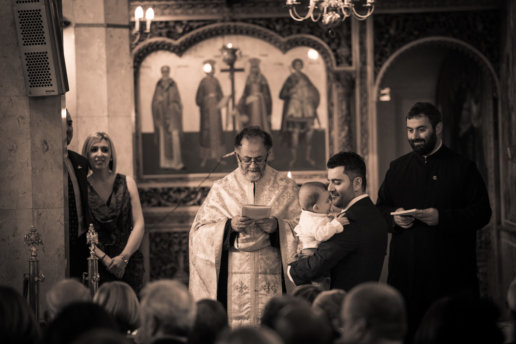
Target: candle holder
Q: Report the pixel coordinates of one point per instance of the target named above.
(34, 277)
(138, 17)
(92, 277)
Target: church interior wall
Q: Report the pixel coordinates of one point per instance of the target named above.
(32, 179)
(109, 105)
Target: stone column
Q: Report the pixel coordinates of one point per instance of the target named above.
(32, 176)
(104, 75)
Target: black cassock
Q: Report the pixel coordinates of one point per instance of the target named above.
(429, 262)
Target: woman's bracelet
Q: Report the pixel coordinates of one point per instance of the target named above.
(102, 258)
(124, 259)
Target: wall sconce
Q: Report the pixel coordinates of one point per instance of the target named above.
(385, 94)
(138, 16)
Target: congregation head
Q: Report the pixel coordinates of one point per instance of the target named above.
(90, 147)
(302, 324)
(460, 318)
(65, 292)
(330, 303)
(18, 323)
(274, 306)
(102, 336)
(249, 335)
(372, 312)
(77, 319)
(211, 319)
(166, 308)
(307, 292)
(120, 300)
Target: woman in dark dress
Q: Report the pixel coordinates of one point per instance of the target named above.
(116, 214)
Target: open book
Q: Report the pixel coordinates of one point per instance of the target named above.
(255, 211)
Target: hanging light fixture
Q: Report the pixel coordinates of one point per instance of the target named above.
(330, 11)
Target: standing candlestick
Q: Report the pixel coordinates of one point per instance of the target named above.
(33, 278)
(92, 276)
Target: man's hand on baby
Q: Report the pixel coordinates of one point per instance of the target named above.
(343, 220)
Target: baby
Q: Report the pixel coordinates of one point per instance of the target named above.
(315, 224)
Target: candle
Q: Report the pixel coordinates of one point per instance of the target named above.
(138, 15)
(149, 15)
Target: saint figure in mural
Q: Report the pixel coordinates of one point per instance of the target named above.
(167, 114)
(255, 105)
(208, 98)
(301, 99)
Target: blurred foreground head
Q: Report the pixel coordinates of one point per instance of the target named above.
(371, 313)
(166, 309)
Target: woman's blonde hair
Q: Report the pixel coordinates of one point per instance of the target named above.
(120, 300)
(97, 137)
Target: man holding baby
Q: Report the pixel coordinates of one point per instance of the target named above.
(355, 254)
(240, 260)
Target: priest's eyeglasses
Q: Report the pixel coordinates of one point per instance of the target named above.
(248, 160)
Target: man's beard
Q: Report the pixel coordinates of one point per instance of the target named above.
(427, 147)
(338, 200)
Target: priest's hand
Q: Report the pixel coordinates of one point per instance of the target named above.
(240, 223)
(430, 216)
(404, 221)
(268, 224)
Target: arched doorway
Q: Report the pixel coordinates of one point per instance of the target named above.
(462, 82)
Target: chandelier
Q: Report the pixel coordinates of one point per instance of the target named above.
(330, 11)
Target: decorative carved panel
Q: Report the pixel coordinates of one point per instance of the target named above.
(334, 45)
(481, 29)
(168, 255)
(169, 196)
(431, 5)
(213, 8)
(343, 131)
(267, 8)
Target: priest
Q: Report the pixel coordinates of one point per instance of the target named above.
(240, 260)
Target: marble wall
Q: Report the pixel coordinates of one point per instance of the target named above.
(101, 91)
(31, 169)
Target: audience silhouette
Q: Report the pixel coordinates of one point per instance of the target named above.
(370, 313)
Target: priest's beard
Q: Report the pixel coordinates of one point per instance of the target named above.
(424, 146)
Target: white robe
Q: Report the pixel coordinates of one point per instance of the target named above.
(254, 271)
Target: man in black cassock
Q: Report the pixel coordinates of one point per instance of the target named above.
(433, 250)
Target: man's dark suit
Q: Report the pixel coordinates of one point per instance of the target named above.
(78, 247)
(354, 256)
